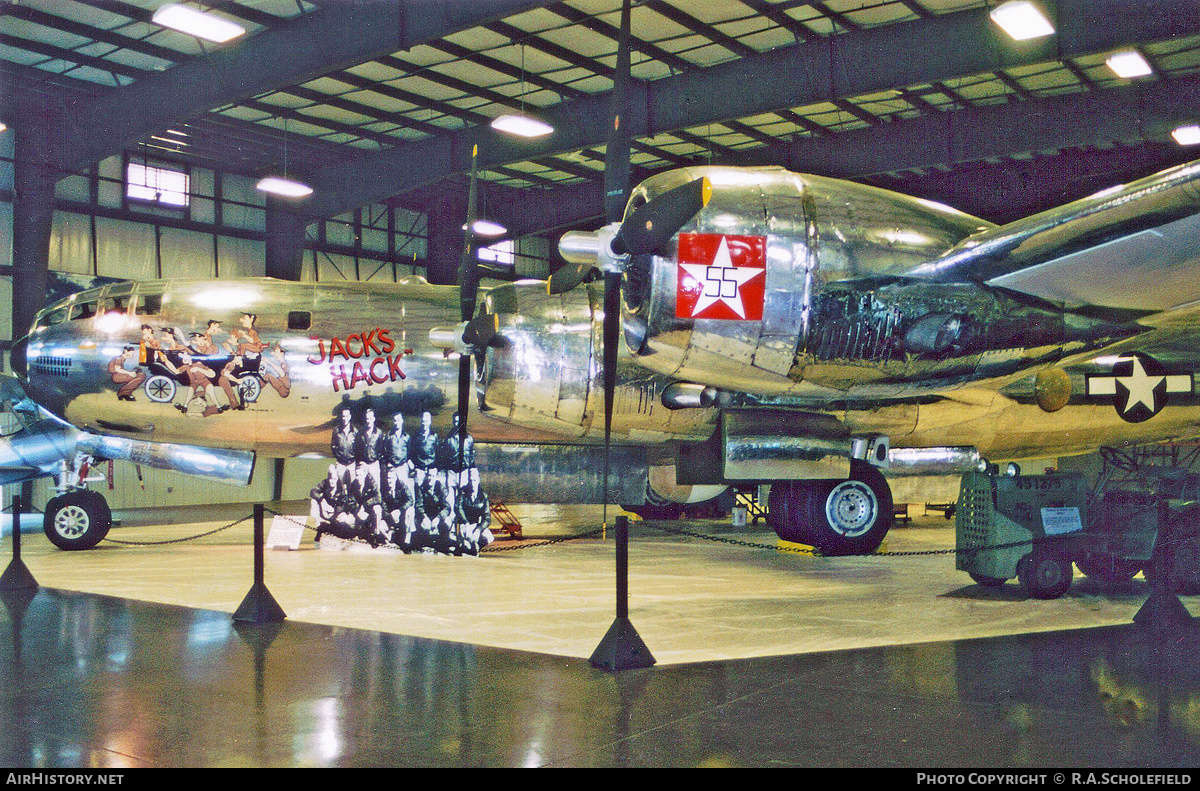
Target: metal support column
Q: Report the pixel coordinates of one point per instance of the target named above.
(622, 647)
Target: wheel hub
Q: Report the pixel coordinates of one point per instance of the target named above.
(71, 521)
(851, 508)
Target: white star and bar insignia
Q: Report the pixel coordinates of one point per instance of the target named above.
(1138, 386)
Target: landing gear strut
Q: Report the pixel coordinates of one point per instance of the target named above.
(848, 517)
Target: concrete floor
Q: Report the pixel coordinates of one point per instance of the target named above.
(387, 660)
(692, 600)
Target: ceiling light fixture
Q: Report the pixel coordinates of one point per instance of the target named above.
(1021, 20)
(522, 125)
(282, 185)
(1188, 135)
(197, 23)
(287, 188)
(1128, 64)
(3, 126)
(488, 228)
(519, 123)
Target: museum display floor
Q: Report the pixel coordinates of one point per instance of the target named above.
(128, 657)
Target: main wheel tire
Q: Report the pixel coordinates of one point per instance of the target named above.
(1108, 569)
(77, 520)
(1043, 575)
(849, 517)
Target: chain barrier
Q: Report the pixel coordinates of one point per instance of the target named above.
(810, 552)
(177, 540)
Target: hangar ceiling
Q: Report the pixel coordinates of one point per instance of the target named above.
(379, 99)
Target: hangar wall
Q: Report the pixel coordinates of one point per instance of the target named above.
(98, 231)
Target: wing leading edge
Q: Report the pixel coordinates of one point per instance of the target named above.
(1130, 247)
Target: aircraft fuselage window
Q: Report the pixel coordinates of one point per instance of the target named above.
(151, 304)
(83, 311)
(299, 320)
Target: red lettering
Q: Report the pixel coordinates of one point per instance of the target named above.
(375, 377)
(360, 375)
(321, 350)
(369, 343)
(336, 348)
(394, 367)
(383, 338)
(340, 373)
(361, 352)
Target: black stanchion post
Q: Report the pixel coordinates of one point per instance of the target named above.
(1163, 610)
(17, 576)
(259, 606)
(622, 647)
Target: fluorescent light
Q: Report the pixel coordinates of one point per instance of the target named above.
(522, 125)
(197, 23)
(3, 126)
(1128, 64)
(488, 228)
(284, 187)
(1021, 20)
(1187, 135)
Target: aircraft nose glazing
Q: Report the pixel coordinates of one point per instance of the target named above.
(18, 357)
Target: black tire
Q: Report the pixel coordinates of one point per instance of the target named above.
(848, 517)
(988, 582)
(1043, 575)
(77, 520)
(1108, 569)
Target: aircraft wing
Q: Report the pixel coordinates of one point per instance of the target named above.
(1129, 247)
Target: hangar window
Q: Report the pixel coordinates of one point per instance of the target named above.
(156, 184)
(501, 253)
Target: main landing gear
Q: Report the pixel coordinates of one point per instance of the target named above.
(847, 517)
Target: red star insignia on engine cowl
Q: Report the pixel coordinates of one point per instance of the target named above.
(721, 276)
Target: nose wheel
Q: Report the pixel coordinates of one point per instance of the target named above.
(77, 520)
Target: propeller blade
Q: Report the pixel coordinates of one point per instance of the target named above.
(569, 276)
(481, 330)
(651, 226)
(468, 270)
(616, 150)
(616, 191)
(468, 288)
(612, 312)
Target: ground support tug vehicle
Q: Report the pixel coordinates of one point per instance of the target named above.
(1034, 527)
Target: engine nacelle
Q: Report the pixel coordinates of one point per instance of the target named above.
(788, 284)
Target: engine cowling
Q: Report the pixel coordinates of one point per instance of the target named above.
(817, 256)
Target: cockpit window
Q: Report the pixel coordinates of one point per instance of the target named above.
(151, 304)
(83, 310)
(118, 304)
(57, 316)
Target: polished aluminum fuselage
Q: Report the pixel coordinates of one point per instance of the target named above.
(845, 332)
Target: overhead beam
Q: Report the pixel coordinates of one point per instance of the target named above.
(1145, 114)
(1134, 113)
(336, 36)
(850, 64)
